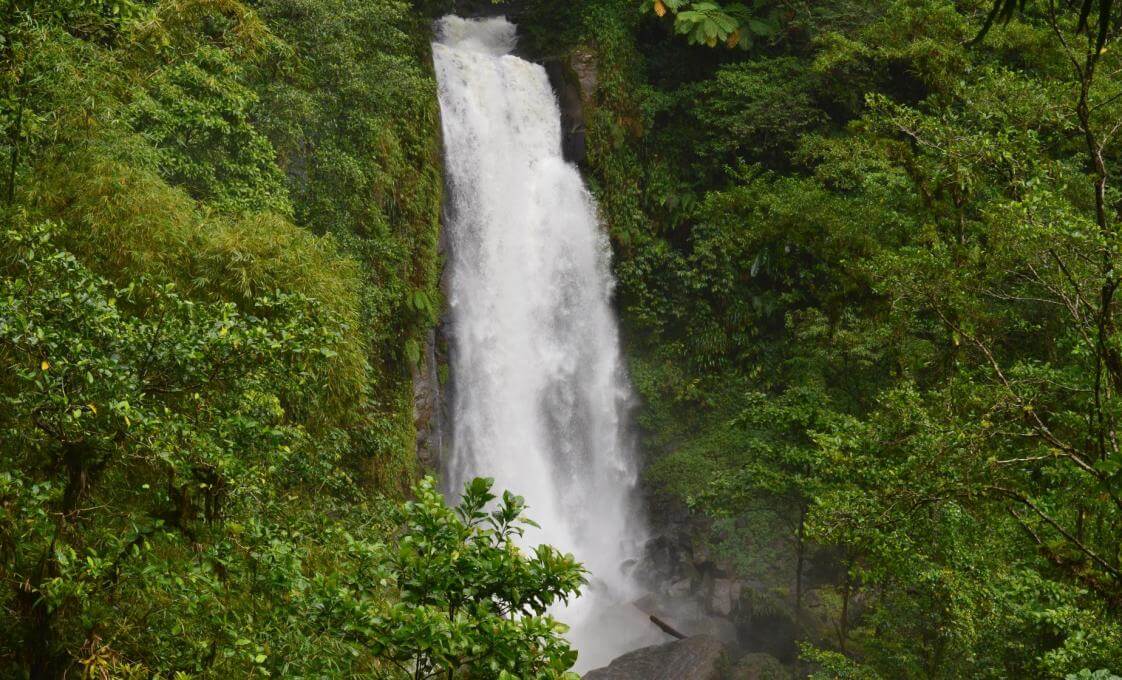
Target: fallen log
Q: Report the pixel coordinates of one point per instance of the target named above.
(667, 628)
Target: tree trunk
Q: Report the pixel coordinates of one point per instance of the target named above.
(800, 554)
(847, 592)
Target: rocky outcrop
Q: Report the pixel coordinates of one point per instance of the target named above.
(428, 406)
(574, 78)
(692, 589)
(582, 61)
(694, 658)
(724, 596)
(696, 589)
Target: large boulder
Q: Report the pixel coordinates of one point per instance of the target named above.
(695, 658)
(724, 596)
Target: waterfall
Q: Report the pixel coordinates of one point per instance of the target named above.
(540, 395)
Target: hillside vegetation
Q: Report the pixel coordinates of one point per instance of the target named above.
(867, 258)
(868, 264)
(218, 247)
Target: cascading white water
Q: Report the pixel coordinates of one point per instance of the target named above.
(540, 394)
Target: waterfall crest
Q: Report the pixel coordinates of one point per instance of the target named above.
(540, 394)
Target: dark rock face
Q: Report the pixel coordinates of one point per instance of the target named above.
(428, 406)
(690, 587)
(668, 560)
(572, 114)
(574, 78)
(483, 8)
(694, 658)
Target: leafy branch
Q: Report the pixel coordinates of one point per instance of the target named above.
(710, 23)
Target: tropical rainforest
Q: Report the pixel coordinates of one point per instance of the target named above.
(868, 268)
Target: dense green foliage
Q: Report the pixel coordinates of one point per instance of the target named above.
(152, 482)
(867, 256)
(470, 600)
(868, 273)
(218, 242)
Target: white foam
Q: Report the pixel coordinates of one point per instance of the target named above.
(541, 396)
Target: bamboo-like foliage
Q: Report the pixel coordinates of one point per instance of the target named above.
(1096, 17)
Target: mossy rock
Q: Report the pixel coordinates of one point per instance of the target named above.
(759, 666)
